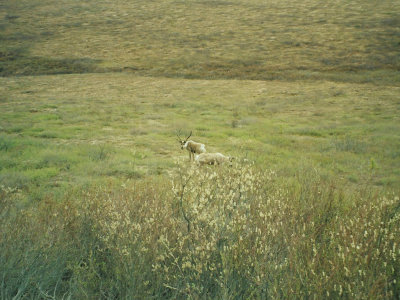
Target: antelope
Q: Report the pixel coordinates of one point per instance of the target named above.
(191, 147)
(212, 159)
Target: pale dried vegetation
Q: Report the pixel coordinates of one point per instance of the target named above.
(218, 233)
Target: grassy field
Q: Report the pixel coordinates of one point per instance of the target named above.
(85, 127)
(97, 200)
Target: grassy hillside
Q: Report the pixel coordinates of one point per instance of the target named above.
(204, 39)
(97, 200)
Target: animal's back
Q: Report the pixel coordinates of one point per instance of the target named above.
(205, 158)
(196, 147)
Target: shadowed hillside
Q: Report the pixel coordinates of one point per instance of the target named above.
(254, 39)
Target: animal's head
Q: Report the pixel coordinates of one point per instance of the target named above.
(181, 141)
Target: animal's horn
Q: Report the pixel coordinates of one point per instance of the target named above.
(189, 135)
(177, 134)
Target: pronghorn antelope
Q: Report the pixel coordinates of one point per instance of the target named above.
(191, 147)
(212, 159)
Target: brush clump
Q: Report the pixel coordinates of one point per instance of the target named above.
(214, 232)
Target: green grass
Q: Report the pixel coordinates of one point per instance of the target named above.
(335, 126)
(94, 201)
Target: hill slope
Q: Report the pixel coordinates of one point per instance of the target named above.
(204, 39)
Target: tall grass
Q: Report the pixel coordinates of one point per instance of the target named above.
(215, 233)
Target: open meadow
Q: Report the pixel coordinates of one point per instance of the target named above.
(98, 201)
